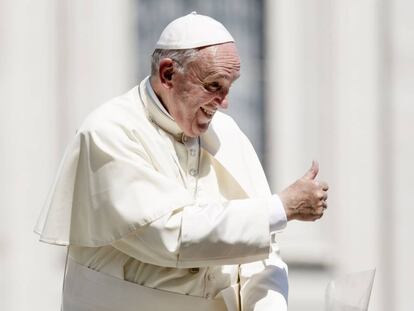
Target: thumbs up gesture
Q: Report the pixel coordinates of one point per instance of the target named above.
(306, 198)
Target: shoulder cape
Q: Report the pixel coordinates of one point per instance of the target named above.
(116, 175)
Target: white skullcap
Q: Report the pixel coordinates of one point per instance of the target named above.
(193, 31)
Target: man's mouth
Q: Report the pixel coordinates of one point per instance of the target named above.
(209, 112)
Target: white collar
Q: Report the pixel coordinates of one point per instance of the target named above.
(157, 112)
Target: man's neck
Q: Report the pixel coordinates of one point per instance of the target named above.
(155, 84)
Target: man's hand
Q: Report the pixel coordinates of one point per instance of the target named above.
(306, 198)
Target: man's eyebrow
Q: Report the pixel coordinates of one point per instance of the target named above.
(216, 76)
(220, 76)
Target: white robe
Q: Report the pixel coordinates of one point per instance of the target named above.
(120, 177)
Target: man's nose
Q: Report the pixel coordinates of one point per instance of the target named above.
(223, 102)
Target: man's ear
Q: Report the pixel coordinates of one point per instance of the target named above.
(166, 72)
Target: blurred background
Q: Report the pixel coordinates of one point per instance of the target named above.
(331, 80)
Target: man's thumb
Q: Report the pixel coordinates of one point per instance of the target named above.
(313, 171)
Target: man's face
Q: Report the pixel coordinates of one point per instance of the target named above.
(200, 90)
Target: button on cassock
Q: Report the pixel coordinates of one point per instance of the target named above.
(193, 172)
(194, 270)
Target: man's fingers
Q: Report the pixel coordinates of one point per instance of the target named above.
(324, 185)
(323, 196)
(320, 210)
(321, 204)
(313, 171)
(316, 217)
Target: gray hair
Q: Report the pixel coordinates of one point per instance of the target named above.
(180, 57)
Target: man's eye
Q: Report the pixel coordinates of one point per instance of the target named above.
(213, 87)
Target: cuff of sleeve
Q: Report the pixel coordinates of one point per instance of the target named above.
(277, 215)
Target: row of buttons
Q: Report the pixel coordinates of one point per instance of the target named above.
(210, 277)
(192, 145)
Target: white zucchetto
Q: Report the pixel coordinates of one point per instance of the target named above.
(192, 31)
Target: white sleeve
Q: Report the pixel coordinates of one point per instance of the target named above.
(277, 215)
(231, 233)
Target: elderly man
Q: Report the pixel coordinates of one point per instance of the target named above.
(161, 198)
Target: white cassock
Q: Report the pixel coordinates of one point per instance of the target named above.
(156, 220)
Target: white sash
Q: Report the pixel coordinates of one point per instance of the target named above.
(89, 290)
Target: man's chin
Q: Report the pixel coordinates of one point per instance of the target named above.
(202, 128)
(199, 130)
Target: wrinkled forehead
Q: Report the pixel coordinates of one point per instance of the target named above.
(220, 60)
